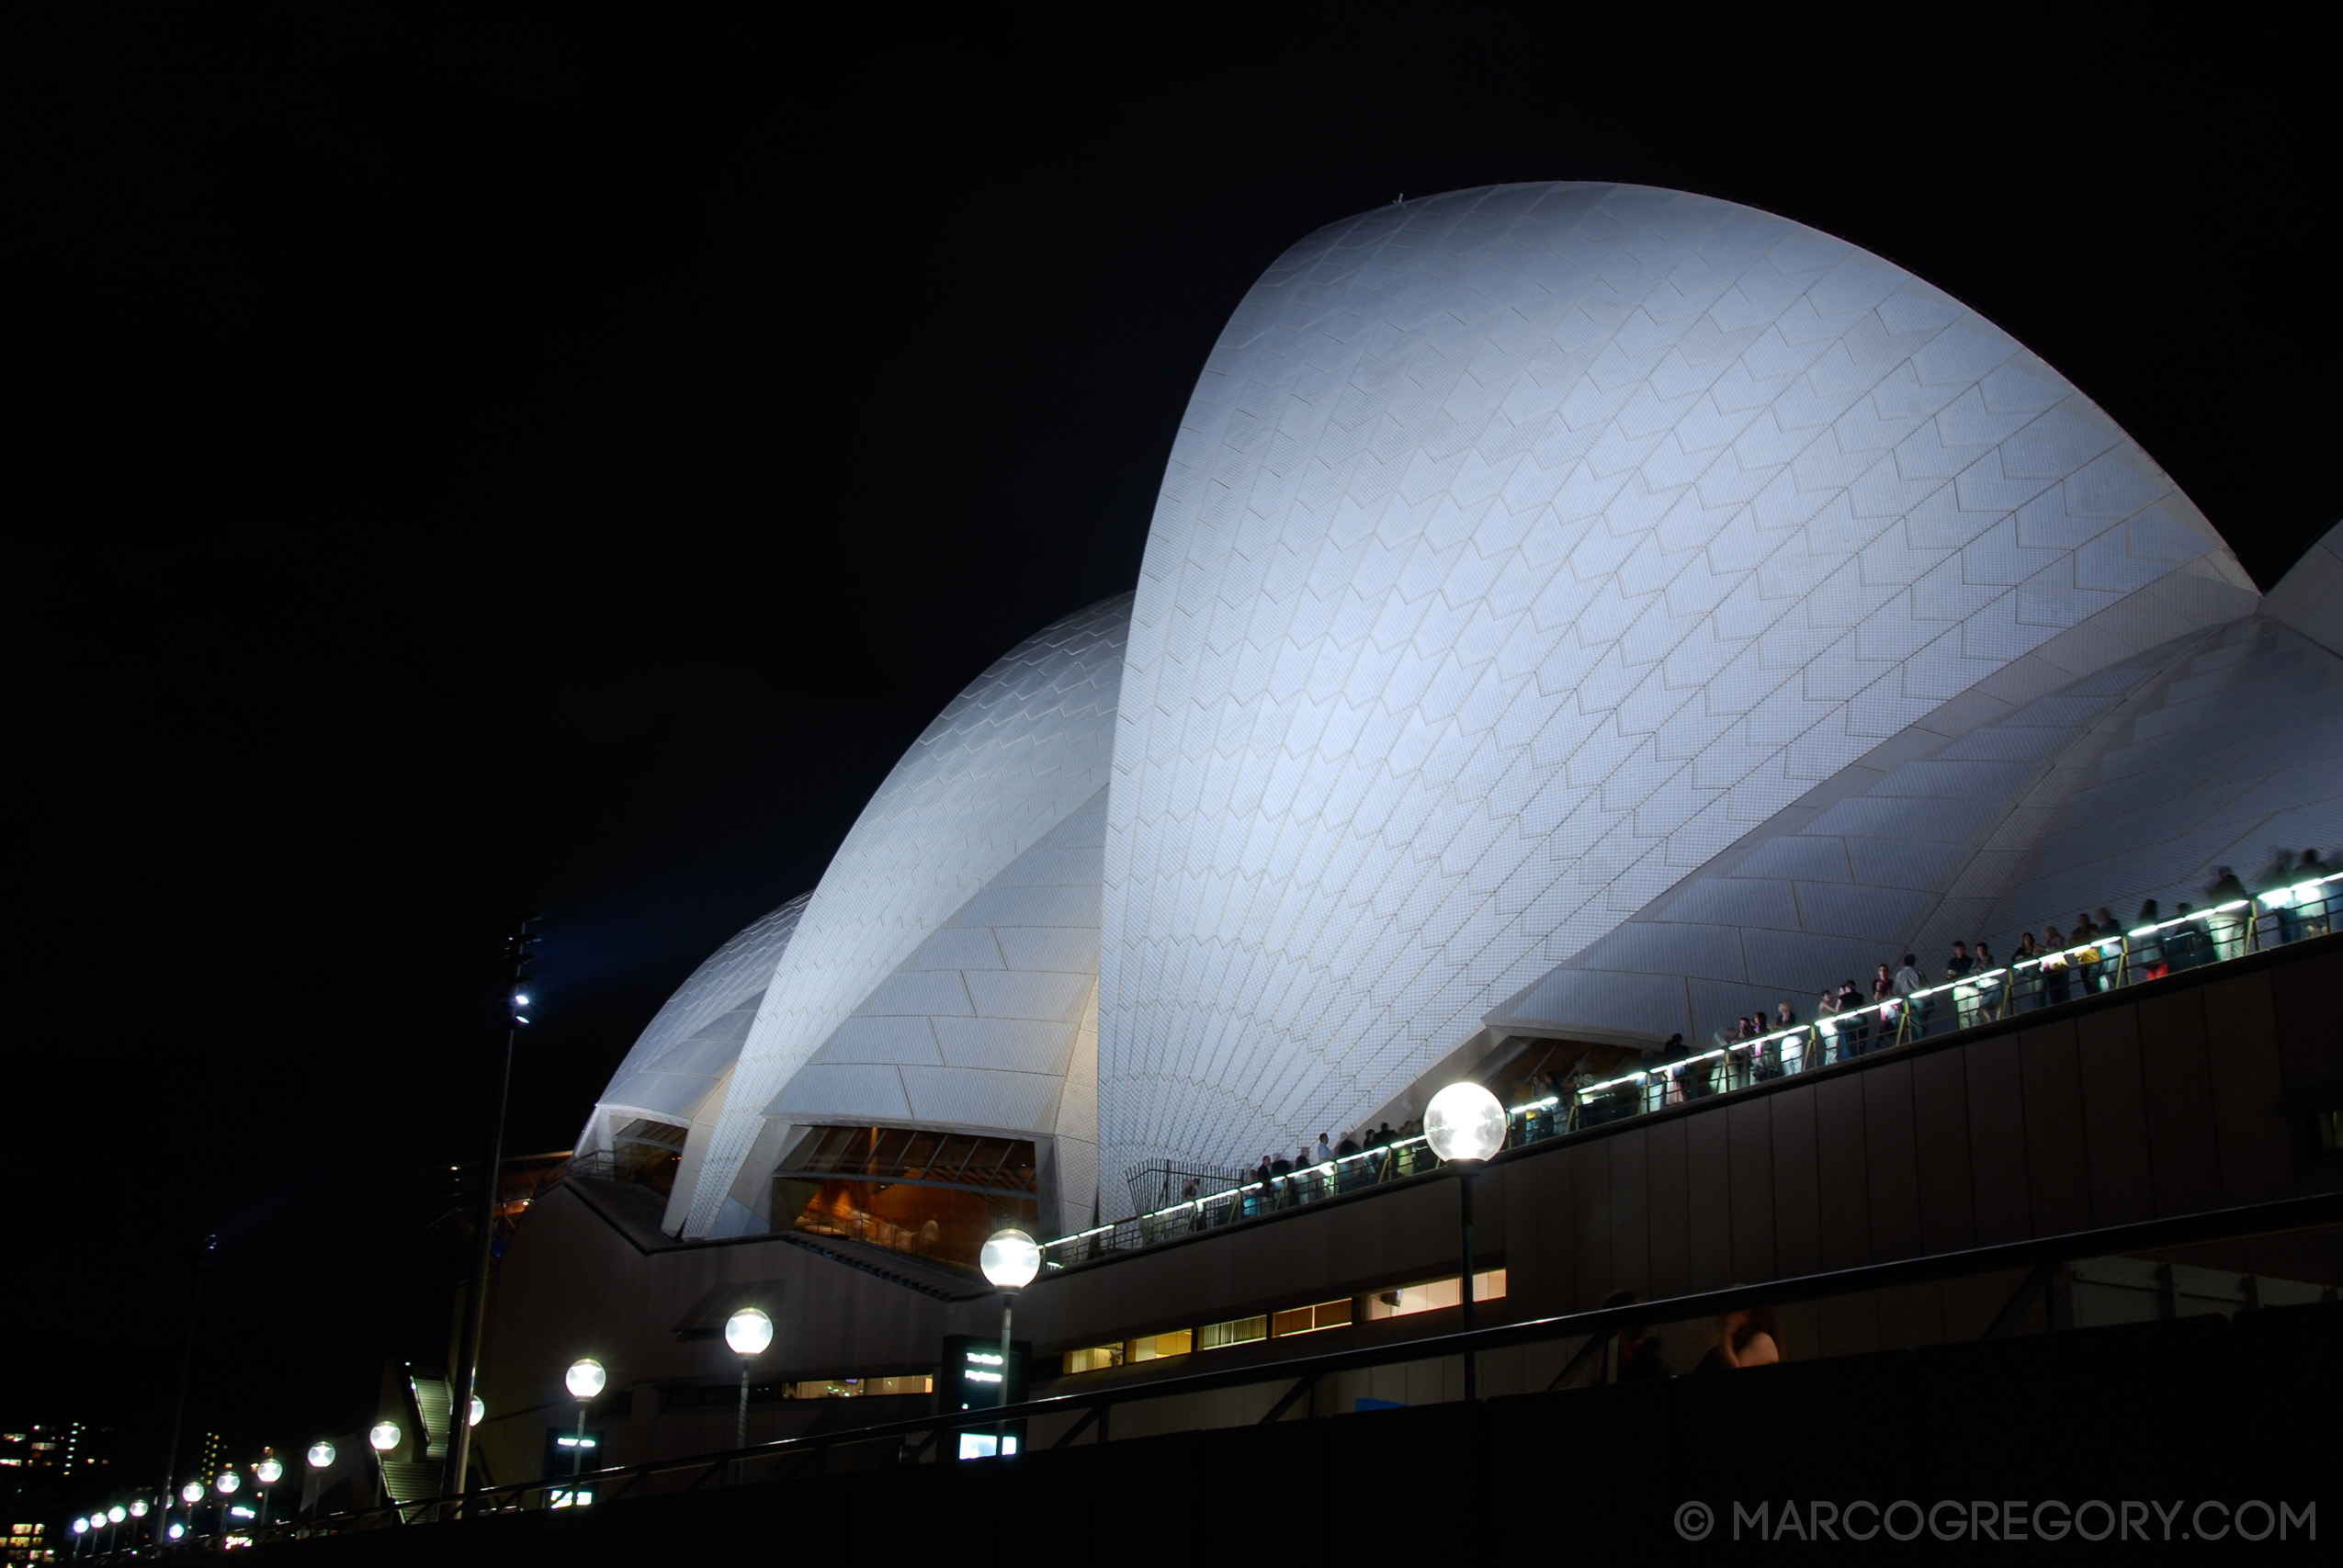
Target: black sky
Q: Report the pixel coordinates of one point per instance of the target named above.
(454, 466)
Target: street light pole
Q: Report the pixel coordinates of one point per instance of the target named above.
(748, 1332)
(1464, 1125)
(454, 1479)
(186, 1368)
(585, 1378)
(1010, 1260)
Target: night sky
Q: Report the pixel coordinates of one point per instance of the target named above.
(456, 468)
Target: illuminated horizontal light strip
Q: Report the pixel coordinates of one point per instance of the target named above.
(2279, 898)
(1237, 1192)
(1824, 1030)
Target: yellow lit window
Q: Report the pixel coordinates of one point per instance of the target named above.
(1155, 1346)
(1310, 1319)
(907, 1385)
(1236, 1331)
(1093, 1359)
(1432, 1295)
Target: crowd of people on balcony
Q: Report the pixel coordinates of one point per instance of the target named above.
(1903, 1003)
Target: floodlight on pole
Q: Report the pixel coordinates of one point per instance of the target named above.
(1009, 1259)
(269, 1471)
(1465, 1124)
(585, 1378)
(464, 1377)
(748, 1332)
(382, 1436)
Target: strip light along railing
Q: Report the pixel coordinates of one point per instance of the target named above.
(1986, 997)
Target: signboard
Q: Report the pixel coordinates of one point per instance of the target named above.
(973, 1378)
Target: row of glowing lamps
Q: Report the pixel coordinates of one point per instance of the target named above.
(1463, 1121)
(269, 1471)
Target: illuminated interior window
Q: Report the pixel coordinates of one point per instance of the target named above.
(1310, 1319)
(1154, 1346)
(1093, 1359)
(1433, 1294)
(1236, 1331)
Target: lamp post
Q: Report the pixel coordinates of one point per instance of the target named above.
(321, 1455)
(586, 1379)
(1009, 1259)
(748, 1332)
(113, 1517)
(1464, 1125)
(462, 1379)
(192, 1496)
(204, 1261)
(382, 1436)
(268, 1472)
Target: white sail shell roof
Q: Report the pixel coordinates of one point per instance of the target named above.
(691, 1043)
(1520, 550)
(1024, 747)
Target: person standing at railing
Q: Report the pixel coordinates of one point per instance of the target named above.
(2186, 945)
(1852, 1018)
(1991, 980)
(1826, 1025)
(2227, 926)
(2144, 957)
(1879, 1019)
(2110, 948)
(2025, 972)
(1907, 980)
(2314, 910)
(2055, 980)
(1752, 1337)
(1965, 990)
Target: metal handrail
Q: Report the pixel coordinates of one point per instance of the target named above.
(1989, 996)
(731, 1465)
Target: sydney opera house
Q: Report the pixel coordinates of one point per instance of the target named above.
(1576, 619)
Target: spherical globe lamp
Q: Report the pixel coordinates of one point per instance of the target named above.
(177, 1530)
(138, 1508)
(268, 1472)
(383, 1436)
(320, 1454)
(585, 1378)
(192, 1493)
(1011, 1258)
(1463, 1121)
(81, 1526)
(748, 1331)
(227, 1481)
(479, 1408)
(117, 1513)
